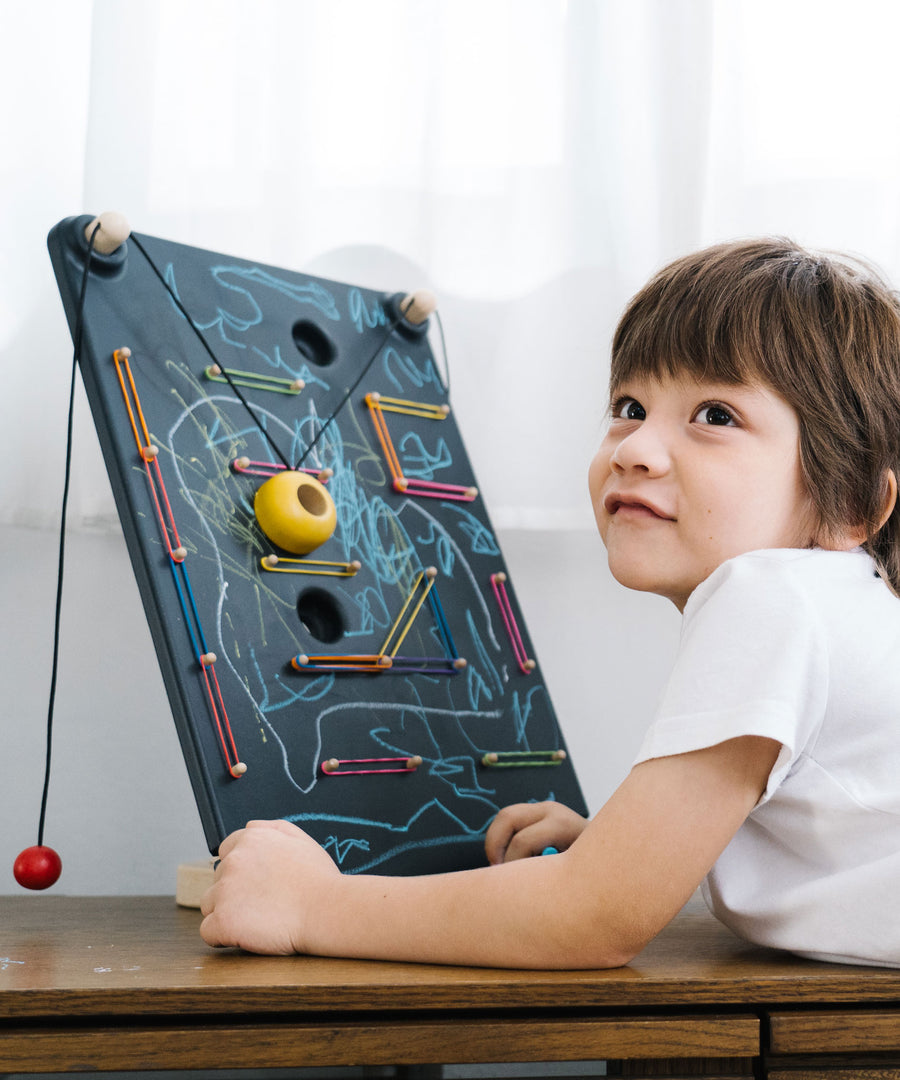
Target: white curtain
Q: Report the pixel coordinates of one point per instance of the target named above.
(532, 161)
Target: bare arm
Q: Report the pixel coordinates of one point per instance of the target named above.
(594, 905)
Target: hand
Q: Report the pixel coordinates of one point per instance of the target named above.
(269, 881)
(525, 829)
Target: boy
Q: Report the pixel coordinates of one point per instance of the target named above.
(749, 475)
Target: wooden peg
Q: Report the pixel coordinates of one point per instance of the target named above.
(416, 306)
(193, 879)
(114, 231)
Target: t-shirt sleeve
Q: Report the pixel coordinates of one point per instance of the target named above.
(752, 660)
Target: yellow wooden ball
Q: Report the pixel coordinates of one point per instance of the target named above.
(295, 511)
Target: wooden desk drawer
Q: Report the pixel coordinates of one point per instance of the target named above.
(374, 1042)
(835, 1032)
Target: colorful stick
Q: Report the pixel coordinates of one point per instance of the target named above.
(275, 564)
(270, 468)
(177, 554)
(149, 455)
(384, 661)
(404, 484)
(498, 582)
(421, 665)
(424, 575)
(254, 381)
(411, 408)
(522, 759)
(332, 766)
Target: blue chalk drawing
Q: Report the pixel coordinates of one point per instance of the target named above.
(302, 718)
(244, 312)
(362, 315)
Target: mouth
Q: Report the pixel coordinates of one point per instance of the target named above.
(630, 506)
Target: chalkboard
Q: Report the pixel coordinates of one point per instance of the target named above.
(381, 690)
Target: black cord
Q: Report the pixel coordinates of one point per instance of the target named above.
(325, 425)
(351, 390)
(79, 331)
(446, 359)
(212, 355)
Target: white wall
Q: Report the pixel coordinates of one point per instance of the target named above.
(121, 812)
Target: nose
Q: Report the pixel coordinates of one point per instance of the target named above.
(645, 449)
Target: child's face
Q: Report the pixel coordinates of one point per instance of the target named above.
(693, 473)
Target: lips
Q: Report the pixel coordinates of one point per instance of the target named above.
(632, 504)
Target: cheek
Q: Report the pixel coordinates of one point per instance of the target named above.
(598, 471)
(598, 474)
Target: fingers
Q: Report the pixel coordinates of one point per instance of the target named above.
(234, 839)
(526, 829)
(531, 841)
(209, 933)
(229, 843)
(278, 824)
(505, 840)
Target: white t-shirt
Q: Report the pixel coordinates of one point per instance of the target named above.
(802, 647)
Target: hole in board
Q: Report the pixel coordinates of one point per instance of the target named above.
(321, 616)
(313, 344)
(312, 500)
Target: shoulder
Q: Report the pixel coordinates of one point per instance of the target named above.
(784, 579)
(753, 658)
(788, 602)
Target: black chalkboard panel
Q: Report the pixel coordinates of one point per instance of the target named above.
(398, 759)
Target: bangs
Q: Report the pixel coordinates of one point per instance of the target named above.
(709, 316)
(669, 344)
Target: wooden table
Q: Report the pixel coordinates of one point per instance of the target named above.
(126, 984)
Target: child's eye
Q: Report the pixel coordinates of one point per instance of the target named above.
(627, 408)
(716, 415)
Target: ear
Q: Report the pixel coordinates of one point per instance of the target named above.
(852, 537)
(890, 497)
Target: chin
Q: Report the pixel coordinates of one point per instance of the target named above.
(636, 578)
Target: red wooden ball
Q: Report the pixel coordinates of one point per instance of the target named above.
(37, 867)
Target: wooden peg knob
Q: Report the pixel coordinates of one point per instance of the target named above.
(114, 231)
(416, 306)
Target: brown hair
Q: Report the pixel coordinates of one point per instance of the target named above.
(823, 331)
